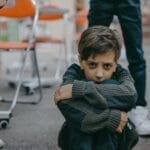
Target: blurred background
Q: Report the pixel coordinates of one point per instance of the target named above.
(55, 36)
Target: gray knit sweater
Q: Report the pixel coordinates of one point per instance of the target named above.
(94, 106)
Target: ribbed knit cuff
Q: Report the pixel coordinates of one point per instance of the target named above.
(114, 120)
(78, 89)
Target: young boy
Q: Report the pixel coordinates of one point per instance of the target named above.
(95, 97)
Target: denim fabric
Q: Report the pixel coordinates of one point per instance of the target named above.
(72, 139)
(129, 15)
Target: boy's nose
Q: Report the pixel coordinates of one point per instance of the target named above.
(99, 74)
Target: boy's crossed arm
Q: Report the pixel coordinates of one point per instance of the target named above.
(82, 117)
(66, 92)
(120, 95)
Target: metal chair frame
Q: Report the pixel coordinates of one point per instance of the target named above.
(26, 48)
(50, 14)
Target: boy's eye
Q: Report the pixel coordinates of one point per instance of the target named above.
(107, 66)
(92, 65)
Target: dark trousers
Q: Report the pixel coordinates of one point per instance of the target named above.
(129, 15)
(73, 139)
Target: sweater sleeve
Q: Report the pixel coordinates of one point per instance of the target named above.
(80, 114)
(74, 73)
(83, 117)
(120, 96)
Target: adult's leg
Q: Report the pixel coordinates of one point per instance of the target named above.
(100, 12)
(129, 15)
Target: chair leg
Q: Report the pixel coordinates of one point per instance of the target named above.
(5, 115)
(36, 81)
(67, 46)
(19, 83)
(4, 118)
(47, 82)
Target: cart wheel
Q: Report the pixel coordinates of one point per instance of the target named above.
(4, 124)
(29, 91)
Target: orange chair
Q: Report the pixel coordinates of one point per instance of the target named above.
(51, 13)
(31, 10)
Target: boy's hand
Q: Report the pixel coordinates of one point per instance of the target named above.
(123, 121)
(63, 92)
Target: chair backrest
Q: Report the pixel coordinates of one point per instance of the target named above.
(20, 9)
(51, 12)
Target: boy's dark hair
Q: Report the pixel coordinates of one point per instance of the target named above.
(99, 39)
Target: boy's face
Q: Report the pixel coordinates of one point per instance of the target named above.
(100, 67)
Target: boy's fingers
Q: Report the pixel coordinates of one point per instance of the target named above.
(119, 130)
(124, 116)
(56, 99)
(57, 95)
